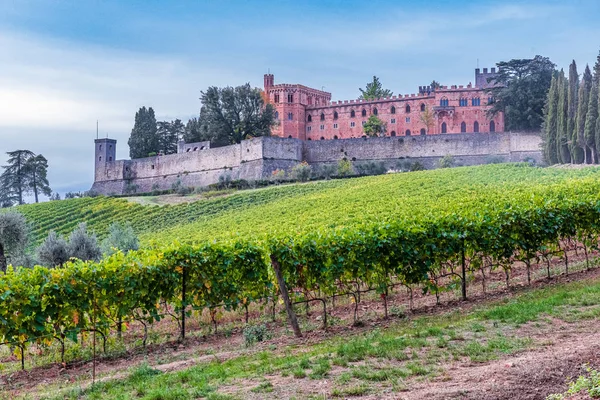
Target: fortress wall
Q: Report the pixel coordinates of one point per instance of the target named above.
(275, 148)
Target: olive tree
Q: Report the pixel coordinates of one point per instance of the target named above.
(120, 237)
(13, 237)
(53, 251)
(84, 245)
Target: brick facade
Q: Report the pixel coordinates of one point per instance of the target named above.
(309, 114)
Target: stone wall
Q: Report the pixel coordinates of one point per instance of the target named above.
(258, 158)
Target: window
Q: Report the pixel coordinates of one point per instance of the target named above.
(308, 128)
(335, 126)
(310, 101)
(407, 108)
(290, 136)
(476, 101)
(100, 147)
(463, 127)
(309, 139)
(335, 115)
(277, 115)
(393, 120)
(444, 127)
(492, 126)
(423, 131)
(364, 113)
(352, 124)
(152, 166)
(463, 102)
(407, 119)
(309, 118)
(393, 110)
(276, 98)
(100, 158)
(352, 114)
(491, 100)
(322, 127)
(335, 137)
(444, 102)
(476, 127)
(422, 107)
(322, 117)
(374, 111)
(393, 133)
(363, 123)
(407, 133)
(290, 98)
(290, 116)
(322, 138)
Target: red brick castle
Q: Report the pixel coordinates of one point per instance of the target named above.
(309, 114)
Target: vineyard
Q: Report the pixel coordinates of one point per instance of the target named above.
(431, 230)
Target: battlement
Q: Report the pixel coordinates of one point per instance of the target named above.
(482, 78)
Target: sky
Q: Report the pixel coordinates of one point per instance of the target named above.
(66, 64)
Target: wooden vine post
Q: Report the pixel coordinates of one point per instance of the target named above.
(183, 302)
(464, 273)
(286, 298)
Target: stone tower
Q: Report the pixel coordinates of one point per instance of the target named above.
(105, 152)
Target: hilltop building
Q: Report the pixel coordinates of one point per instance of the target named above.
(309, 114)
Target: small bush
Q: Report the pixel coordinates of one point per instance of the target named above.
(255, 333)
(492, 159)
(301, 171)
(417, 166)
(130, 188)
(371, 168)
(278, 175)
(53, 251)
(324, 171)
(344, 168)
(446, 162)
(224, 181)
(181, 190)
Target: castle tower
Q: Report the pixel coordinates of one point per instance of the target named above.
(105, 152)
(481, 78)
(269, 81)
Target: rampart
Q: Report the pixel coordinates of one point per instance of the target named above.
(257, 158)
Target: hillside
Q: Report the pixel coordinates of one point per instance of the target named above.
(295, 208)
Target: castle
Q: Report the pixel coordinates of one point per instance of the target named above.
(309, 114)
(459, 127)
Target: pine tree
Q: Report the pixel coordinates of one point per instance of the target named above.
(169, 134)
(37, 176)
(550, 123)
(597, 71)
(14, 181)
(591, 133)
(564, 155)
(576, 153)
(144, 139)
(374, 90)
(584, 96)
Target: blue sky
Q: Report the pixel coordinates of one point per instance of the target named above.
(65, 64)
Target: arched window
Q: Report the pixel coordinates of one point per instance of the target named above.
(375, 111)
(352, 114)
(407, 133)
(309, 118)
(422, 107)
(335, 115)
(491, 100)
(393, 110)
(476, 127)
(335, 137)
(276, 114)
(444, 102)
(290, 116)
(476, 101)
(100, 158)
(407, 108)
(423, 131)
(309, 139)
(463, 102)
(322, 138)
(444, 127)
(322, 117)
(463, 127)
(492, 126)
(393, 133)
(195, 148)
(364, 112)
(290, 136)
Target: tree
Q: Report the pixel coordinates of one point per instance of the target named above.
(550, 127)
(144, 137)
(14, 233)
(14, 178)
(231, 115)
(374, 90)
(427, 118)
(435, 85)
(597, 71)
(592, 134)
(120, 237)
(36, 170)
(54, 251)
(83, 245)
(576, 152)
(374, 126)
(192, 132)
(564, 156)
(169, 134)
(584, 96)
(520, 91)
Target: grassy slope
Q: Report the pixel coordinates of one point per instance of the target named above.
(301, 207)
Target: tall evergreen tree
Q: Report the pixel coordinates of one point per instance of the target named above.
(564, 156)
(169, 134)
(14, 179)
(597, 70)
(192, 132)
(374, 90)
(144, 137)
(550, 123)
(37, 176)
(592, 134)
(573, 90)
(584, 95)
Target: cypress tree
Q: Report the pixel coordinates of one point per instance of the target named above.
(564, 156)
(597, 71)
(549, 128)
(572, 98)
(144, 137)
(584, 97)
(591, 133)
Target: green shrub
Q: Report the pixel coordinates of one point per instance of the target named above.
(446, 162)
(255, 333)
(344, 168)
(301, 171)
